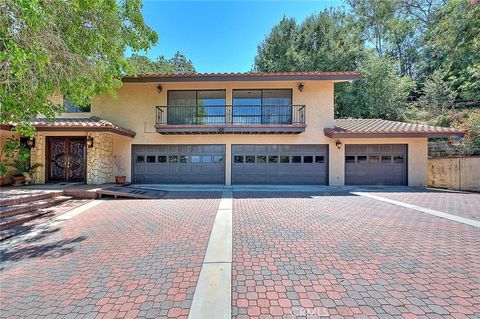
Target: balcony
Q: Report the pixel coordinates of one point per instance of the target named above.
(228, 119)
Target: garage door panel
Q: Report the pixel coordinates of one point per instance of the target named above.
(375, 164)
(178, 164)
(274, 164)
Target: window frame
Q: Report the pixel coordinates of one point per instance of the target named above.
(261, 94)
(196, 95)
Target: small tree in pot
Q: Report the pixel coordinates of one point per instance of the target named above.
(117, 161)
(23, 166)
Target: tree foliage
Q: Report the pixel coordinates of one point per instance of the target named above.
(323, 42)
(70, 47)
(379, 93)
(453, 45)
(178, 64)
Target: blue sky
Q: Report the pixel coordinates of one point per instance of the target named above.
(220, 36)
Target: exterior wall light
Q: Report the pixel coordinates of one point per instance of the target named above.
(89, 141)
(159, 88)
(338, 144)
(31, 142)
(300, 87)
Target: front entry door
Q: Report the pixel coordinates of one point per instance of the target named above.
(66, 159)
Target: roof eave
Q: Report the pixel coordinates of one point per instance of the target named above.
(345, 134)
(242, 78)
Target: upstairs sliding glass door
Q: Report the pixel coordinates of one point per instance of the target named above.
(256, 107)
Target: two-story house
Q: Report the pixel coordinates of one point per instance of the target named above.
(248, 128)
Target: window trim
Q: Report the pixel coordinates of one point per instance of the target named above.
(261, 93)
(196, 94)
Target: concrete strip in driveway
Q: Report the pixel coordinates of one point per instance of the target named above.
(437, 213)
(213, 294)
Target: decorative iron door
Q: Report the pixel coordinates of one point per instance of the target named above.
(66, 159)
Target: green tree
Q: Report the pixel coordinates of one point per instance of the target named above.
(438, 95)
(178, 64)
(323, 42)
(72, 48)
(453, 45)
(379, 93)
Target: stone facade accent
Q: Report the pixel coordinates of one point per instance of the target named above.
(37, 155)
(100, 159)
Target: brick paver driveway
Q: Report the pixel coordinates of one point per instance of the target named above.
(456, 203)
(304, 255)
(295, 255)
(125, 259)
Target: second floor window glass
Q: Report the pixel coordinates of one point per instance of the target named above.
(196, 107)
(270, 106)
(70, 107)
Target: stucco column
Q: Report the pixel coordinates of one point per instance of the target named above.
(336, 164)
(228, 164)
(418, 162)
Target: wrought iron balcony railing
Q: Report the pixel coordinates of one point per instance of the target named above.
(229, 115)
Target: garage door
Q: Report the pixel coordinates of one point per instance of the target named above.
(376, 164)
(280, 164)
(178, 164)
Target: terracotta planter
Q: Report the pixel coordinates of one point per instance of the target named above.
(18, 180)
(120, 179)
(2, 181)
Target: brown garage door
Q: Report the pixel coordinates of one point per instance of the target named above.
(292, 164)
(376, 164)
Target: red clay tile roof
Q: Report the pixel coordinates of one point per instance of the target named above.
(383, 128)
(68, 124)
(259, 76)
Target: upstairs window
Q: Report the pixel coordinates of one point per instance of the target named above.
(269, 106)
(71, 107)
(196, 107)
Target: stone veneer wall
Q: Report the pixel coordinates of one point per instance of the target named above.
(37, 155)
(100, 159)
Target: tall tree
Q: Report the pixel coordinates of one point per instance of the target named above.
(73, 48)
(379, 93)
(323, 42)
(453, 45)
(178, 64)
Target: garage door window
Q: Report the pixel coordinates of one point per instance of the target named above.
(151, 159)
(296, 159)
(261, 159)
(386, 159)
(238, 159)
(218, 159)
(398, 159)
(273, 159)
(284, 159)
(162, 159)
(183, 159)
(373, 159)
(173, 159)
(319, 159)
(250, 159)
(308, 159)
(361, 159)
(195, 159)
(349, 159)
(140, 159)
(206, 159)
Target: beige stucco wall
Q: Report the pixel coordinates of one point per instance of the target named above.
(460, 173)
(133, 107)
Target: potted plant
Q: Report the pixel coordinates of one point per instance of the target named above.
(117, 161)
(7, 153)
(23, 166)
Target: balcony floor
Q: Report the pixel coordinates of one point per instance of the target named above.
(231, 129)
